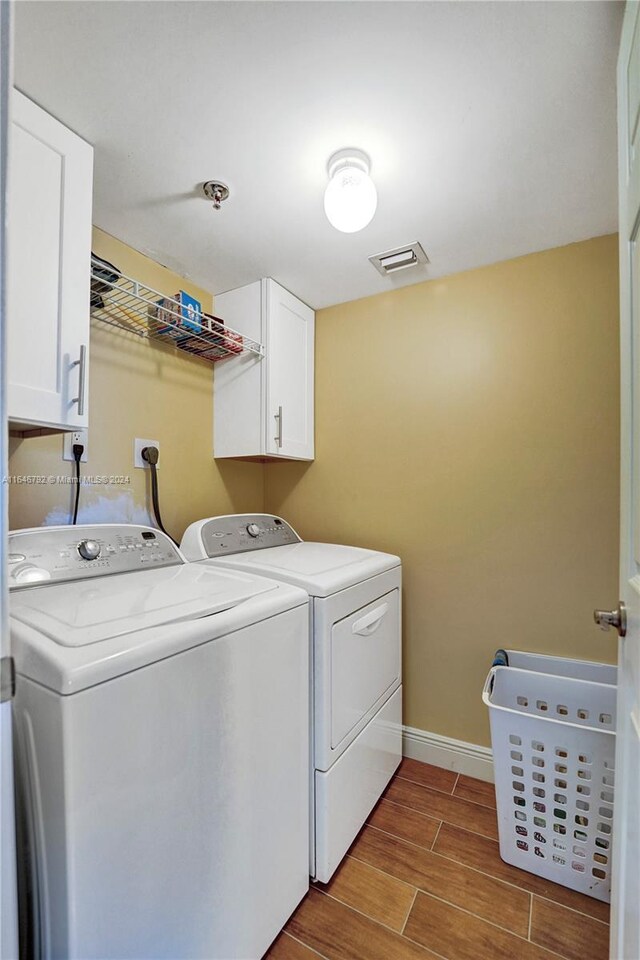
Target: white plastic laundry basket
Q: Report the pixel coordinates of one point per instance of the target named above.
(553, 739)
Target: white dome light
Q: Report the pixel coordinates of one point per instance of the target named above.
(350, 199)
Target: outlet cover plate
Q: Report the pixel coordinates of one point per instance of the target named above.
(138, 447)
(68, 440)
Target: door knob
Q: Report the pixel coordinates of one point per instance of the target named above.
(612, 618)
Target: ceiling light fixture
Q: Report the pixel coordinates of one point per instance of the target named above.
(350, 199)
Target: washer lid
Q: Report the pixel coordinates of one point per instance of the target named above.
(84, 612)
(319, 568)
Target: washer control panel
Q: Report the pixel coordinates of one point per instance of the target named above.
(52, 554)
(238, 533)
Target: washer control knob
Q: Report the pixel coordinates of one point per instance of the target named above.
(253, 529)
(89, 549)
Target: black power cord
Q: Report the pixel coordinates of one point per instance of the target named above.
(151, 455)
(78, 450)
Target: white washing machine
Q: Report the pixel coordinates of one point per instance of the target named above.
(356, 685)
(161, 714)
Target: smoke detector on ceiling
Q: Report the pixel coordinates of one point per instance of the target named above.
(411, 255)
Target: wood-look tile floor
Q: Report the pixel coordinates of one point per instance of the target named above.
(424, 879)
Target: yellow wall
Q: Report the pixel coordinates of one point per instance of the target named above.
(139, 389)
(470, 424)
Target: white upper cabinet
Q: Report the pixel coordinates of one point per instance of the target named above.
(263, 407)
(48, 258)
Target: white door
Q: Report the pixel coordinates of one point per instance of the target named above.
(625, 922)
(290, 352)
(8, 907)
(49, 248)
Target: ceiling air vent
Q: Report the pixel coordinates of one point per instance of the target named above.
(399, 259)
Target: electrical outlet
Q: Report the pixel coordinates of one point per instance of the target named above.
(138, 447)
(69, 439)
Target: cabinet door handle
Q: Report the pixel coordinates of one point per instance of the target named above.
(82, 379)
(278, 416)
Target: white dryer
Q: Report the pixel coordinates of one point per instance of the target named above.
(356, 663)
(162, 747)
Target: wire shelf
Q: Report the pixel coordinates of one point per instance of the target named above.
(121, 301)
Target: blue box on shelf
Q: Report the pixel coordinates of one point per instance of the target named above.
(190, 312)
(179, 317)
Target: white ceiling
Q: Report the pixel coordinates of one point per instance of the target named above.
(491, 128)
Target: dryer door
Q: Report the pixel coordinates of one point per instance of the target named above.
(365, 662)
(357, 660)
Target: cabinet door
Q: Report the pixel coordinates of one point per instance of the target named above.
(49, 249)
(289, 395)
(238, 419)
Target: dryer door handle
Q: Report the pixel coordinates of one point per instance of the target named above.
(368, 624)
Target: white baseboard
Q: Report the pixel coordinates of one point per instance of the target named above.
(468, 758)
